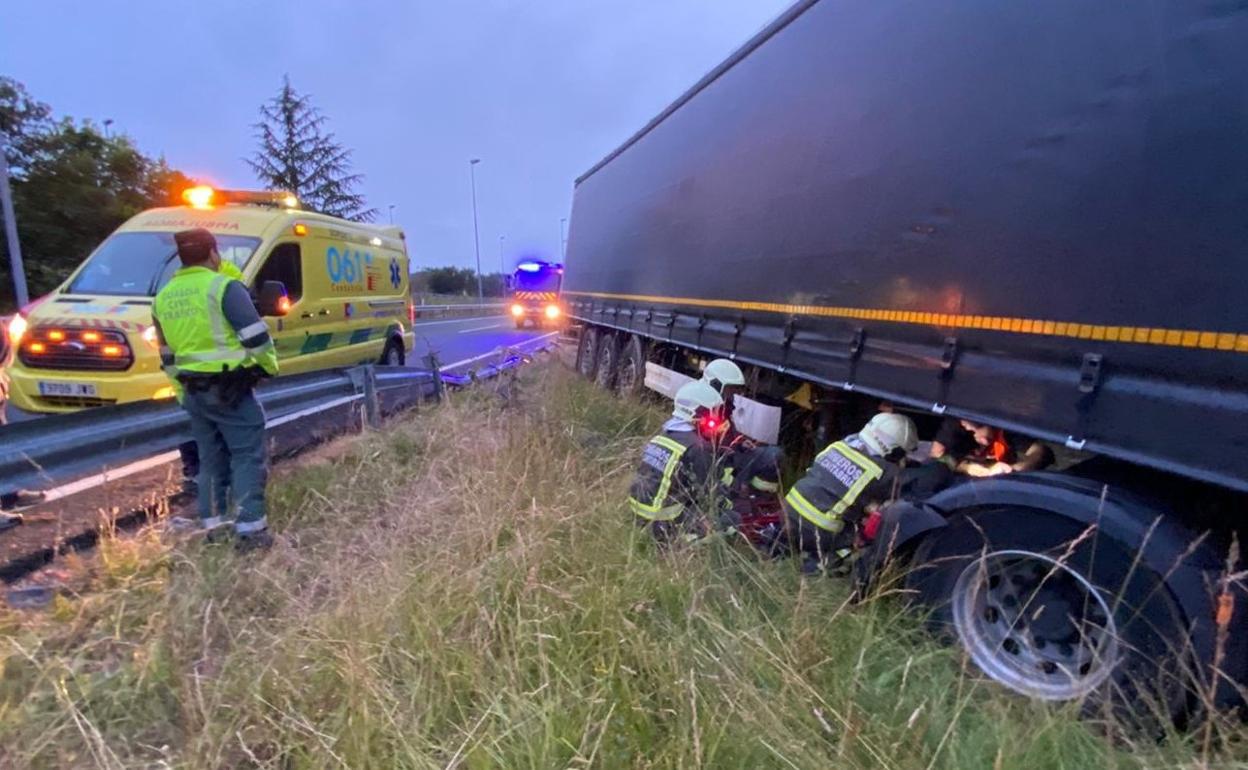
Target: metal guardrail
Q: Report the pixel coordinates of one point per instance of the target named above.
(434, 311)
(60, 448)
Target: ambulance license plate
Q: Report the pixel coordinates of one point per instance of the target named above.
(81, 389)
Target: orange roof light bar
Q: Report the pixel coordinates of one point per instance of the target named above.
(199, 197)
(205, 197)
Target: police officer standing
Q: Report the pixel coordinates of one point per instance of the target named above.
(188, 451)
(215, 347)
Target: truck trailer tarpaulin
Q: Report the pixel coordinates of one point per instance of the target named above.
(1031, 214)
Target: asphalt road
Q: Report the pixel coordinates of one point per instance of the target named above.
(458, 343)
(462, 342)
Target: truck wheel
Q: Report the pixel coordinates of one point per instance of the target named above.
(630, 379)
(587, 353)
(608, 361)
(393, 354)
(1056, 612)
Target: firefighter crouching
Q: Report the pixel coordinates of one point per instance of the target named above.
(849, 480)
(753, 468)
(215, 347)
(677, 491)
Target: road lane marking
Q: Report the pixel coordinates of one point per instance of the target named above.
(479, 329)
(420, 324)
(496, 351)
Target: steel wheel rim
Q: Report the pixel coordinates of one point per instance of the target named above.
(1015, 614)
(605, 362)
(588, 359)
(627, 376)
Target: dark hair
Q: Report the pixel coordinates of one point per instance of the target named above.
(194, 246)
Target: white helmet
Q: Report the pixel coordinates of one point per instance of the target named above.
(888, 431)
(693, 396)
(722, 372)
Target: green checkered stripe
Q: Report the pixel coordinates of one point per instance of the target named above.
(319, 343)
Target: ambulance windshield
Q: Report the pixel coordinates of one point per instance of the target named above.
(139, 264)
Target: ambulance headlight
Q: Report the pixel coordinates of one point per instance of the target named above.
(17, 328)
(552, 312)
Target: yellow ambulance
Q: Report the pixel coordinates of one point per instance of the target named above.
(342, 298)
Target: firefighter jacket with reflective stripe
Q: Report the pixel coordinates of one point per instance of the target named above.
(675, 473)
(842, 481)
(198, 336)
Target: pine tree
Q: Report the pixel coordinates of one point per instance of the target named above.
(298, 155)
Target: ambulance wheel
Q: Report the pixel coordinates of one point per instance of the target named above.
(608, 361)
(393, 355)
(1051, 611)
(519, 323)
(630, 379)
(587, 353)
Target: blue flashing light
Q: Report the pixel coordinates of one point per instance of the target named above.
(530, 267)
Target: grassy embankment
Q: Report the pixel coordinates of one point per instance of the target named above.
(466, 591)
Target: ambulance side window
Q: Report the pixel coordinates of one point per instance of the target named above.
(283, 264)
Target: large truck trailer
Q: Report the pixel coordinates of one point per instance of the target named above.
(1033, 216)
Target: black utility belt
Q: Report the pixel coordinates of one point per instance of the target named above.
(198, 382)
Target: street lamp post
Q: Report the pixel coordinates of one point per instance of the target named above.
(108, 124)
(391, 207)
(563, 241)
(502, 271)
(10, 227)
(476, 237)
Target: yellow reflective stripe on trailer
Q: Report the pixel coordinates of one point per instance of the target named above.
(1140, 335)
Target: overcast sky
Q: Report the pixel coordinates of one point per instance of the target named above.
(538, 89)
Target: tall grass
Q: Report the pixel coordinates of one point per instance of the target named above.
(466, 590)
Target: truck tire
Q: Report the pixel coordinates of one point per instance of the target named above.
(630, 378)
(587, 353)
(393, 354)
(1007, 584)
(608, 361)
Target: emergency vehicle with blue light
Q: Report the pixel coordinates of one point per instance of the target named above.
(535, 287)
